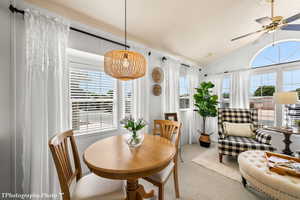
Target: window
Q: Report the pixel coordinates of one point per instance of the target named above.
(291, 80)
(93, 99)
(226, 88)
(261, 92)
(127, 98)
(279, 53)
(184, 90)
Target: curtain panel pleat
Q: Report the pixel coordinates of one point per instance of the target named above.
(170, 87)
(193, 117)
(46, 98)
(239, 96)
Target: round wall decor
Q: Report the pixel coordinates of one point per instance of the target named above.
(156, 89)
(157, 75)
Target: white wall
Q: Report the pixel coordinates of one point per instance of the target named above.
(241, 58)
(77, 41)
(5, 106)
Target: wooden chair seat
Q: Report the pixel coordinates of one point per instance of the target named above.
(73, 185)
(164, 174)
(93, 187)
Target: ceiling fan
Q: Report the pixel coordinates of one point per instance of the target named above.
(274, 23)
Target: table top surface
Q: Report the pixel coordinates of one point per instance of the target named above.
(112, 157)
(281, 130)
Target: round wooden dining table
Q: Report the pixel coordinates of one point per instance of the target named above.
(113, 159)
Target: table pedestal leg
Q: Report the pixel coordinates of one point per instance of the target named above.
(136, 191)
(287, 143)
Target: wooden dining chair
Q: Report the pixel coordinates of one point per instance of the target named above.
(174, 117)
(171, 131)
(73, 185)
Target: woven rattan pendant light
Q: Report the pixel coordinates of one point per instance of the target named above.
(124, 64)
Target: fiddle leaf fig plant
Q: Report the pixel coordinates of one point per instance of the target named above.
(206, 102)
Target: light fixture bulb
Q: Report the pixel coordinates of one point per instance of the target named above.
(125, 62)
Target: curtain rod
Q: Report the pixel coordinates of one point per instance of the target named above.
(163, 59)
(13, 9)
(253, 68)
(185, 65)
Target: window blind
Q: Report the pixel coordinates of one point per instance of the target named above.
(93, 96)
(127, 98)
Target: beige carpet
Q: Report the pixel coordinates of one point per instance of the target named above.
(209, 159)
(201, 183)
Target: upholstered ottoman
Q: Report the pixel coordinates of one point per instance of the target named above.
(254, 170)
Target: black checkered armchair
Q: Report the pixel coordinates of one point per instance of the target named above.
(233, 145)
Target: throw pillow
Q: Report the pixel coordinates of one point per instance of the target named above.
(239, 129)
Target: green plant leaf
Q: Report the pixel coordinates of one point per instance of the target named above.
(206, 102)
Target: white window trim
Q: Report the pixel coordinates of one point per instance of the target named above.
(258, 71)
(279, 69)
(267, 46)
(94, 61)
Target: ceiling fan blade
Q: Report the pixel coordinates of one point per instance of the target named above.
(292, 18)
(291, 27)
(264, 20)
(246, 35)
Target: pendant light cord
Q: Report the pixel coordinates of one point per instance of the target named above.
(125, 24)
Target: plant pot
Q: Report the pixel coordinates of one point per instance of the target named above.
(204, 140)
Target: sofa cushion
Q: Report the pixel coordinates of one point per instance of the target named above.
(233, 145)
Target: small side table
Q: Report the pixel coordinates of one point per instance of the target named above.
(287, 135)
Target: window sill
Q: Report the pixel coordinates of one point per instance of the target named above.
(185, 109)
(102, 132)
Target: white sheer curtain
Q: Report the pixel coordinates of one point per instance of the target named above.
(140, 96)
(193, 117)
(170, 87)
(239, 96)
(46, 100)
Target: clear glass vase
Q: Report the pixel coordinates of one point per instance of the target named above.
(135, 139)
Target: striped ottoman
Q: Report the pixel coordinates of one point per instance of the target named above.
(254, 170)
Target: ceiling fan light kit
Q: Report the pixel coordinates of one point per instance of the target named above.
(274, 23)
(124, 64)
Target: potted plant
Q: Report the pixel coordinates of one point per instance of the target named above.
(206, 104)
(133, 126)
(296, 128)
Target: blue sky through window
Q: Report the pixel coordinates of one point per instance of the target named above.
(97, 82)
(291, 80)
(281, 52)
(183, 86)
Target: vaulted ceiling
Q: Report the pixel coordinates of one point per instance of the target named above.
(196, 29)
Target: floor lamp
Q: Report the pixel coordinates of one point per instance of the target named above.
(286, 98)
